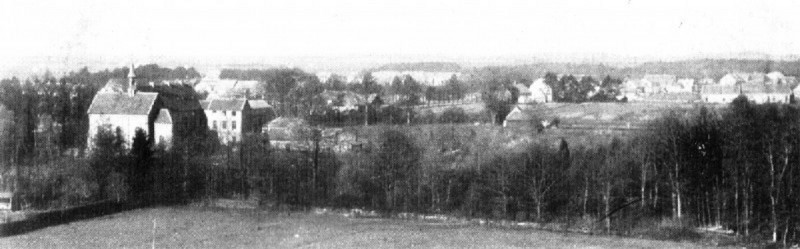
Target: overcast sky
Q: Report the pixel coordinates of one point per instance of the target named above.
(146, 30)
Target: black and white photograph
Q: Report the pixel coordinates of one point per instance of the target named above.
(399, 124)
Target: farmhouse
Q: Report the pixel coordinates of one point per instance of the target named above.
(288, 133)
(655, 83)
(524, 94)
(231, 118)
(519, 118)
(541, 92)
(767, 93)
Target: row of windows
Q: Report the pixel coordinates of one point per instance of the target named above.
(224, 125)
(233, 113)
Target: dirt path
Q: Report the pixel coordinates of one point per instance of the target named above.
(185, 227)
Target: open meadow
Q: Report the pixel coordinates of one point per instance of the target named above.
(195, 227)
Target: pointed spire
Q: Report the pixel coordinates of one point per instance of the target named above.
(130, 71)
(131, 84)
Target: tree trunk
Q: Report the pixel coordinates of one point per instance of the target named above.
(539, 209)
(643, 185)
(773, 200)
(607, 202)
(678, 191)
(366, 114)
(585, 193)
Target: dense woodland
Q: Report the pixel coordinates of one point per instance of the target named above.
(731, 167)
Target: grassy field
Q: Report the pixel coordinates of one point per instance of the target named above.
(194, 227)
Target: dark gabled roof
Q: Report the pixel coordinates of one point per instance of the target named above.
(519, 114)
(176, 97)
(175, 103)
(204, 103)
(120, 103)
(115, 86)
(226, 104)
(164, 117)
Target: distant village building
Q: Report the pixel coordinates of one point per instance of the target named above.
(752, 78)
(719, 93)
(655, 83)
(519, 118)
(767, 93)
(524, 94)
(342, 100)
(340, 141)
(232, 118)
(262, 112)
(288, 133)
(756, 92)
(225, 88)
(775, 77)
(541, 92)
(732, 79)
(683, 85)
(127, 107)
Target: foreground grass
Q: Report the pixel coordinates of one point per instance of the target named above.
(189, 227)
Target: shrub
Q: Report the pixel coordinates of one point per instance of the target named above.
(454, 115)
(666, 229)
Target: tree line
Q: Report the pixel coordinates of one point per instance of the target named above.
(697, 68)
(732, 168)
(297, 93)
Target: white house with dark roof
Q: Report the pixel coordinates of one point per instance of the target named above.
(540, 92)
(232, 118)
(124, 105)
(115, 107)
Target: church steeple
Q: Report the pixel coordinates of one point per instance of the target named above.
(131, 84)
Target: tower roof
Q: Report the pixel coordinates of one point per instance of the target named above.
(130, 72)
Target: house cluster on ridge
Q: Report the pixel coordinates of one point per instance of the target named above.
(771, 87)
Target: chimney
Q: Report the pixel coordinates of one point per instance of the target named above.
(131, 84)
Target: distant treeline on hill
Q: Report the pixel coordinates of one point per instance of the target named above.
(713, 68)
(420, 66)
(261, 74)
